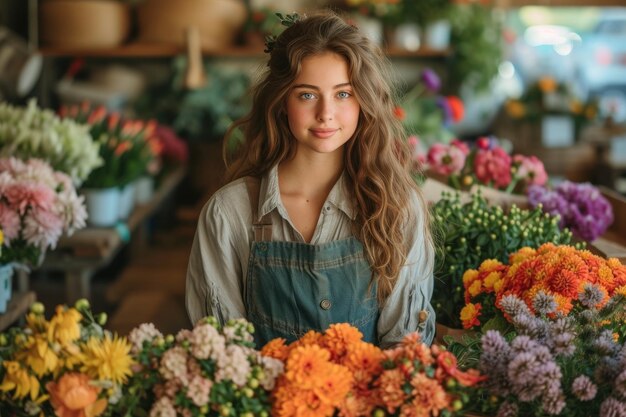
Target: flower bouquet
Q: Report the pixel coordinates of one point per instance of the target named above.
(31, 132)
(485, 164)
(581, 207)
(471, 232)
(128, 147)
(37, 205)
(558, 271)
(556, 365)
(210, 370)
(67, 366)
(337, 372)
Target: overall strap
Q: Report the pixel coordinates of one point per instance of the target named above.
(262, 227)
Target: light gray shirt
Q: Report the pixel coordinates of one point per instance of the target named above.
(218, 263)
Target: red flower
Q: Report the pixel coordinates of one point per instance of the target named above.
(457, 109)
(399, 113)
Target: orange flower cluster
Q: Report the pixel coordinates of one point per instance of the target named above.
(337, 372)
(558, 270)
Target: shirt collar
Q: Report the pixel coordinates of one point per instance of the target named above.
(269, 195)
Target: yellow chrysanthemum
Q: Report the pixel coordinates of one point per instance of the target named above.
(475, 288)
(469, 276)
(107, 359)
(497, 286)
(490, 264)
(17, 378)
(620, 290)
(1, 237)
(39, 355)
(491, 279)
(65, 326)
(37, 323)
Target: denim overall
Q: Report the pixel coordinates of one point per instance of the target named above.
(295, 287)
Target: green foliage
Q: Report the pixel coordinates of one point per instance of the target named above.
(467, 234)
(477, 46)
(200, 114)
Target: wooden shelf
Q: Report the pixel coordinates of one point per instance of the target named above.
(17, 307)
(144, 50)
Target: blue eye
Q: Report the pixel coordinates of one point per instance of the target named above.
(344, 94)
(307, 96)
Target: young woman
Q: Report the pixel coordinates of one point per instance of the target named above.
(321, 222)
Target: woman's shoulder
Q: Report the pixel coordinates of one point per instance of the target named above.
(230, 198)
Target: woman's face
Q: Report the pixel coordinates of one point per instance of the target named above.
(321, 107)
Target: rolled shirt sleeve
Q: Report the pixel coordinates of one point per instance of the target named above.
(214, 274)
(408, 308)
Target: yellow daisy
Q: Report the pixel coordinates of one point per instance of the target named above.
(65, 326)
(17, 378)
(107, 359)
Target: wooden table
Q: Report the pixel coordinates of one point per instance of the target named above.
(79, 256)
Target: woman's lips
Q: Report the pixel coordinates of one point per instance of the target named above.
(323, 133)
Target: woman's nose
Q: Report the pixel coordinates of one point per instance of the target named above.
(326, 110)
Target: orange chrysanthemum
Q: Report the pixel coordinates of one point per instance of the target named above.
(469, 315)
(276, 348)
(390, 389)
(307, 365)
(364, 360)
(429, 397)
(338, 337)
(335, 385)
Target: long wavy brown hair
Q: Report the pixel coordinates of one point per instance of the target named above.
(376, 157)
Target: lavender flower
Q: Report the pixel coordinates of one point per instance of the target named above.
(591, 296)
(604, 344)
(612, 408)
(553, 401)
(582, 207)
(544, 304)
(584, 389)
(620, 385)
(508, 409)
(513, 305)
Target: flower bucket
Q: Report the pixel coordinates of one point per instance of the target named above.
(144, 189)
(127, 201)
(6, 286)
(102, 206)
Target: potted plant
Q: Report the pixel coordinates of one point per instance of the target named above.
(128, 150)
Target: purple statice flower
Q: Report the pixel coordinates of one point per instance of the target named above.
(581, 206)
(508, 409)
(584, 389)
(553, 401)
(513, 305)
(620, 384)
(605, 344)
(606, 371)
(591, 296)
(544, 304)
(612, 407)
(431, 80)
(493, 362)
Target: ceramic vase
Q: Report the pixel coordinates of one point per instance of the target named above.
(102, 206)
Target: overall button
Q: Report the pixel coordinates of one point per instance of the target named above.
(325, 304)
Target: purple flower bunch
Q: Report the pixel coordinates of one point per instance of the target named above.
(581, 206)
(556, 365)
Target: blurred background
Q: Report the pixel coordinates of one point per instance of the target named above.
(543, 78)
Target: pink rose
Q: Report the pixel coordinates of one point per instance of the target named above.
(446, 159)
(530, 169)
(493, 165)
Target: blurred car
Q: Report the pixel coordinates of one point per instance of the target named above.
(601, 63)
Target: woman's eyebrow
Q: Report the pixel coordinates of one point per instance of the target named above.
(314, 87)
